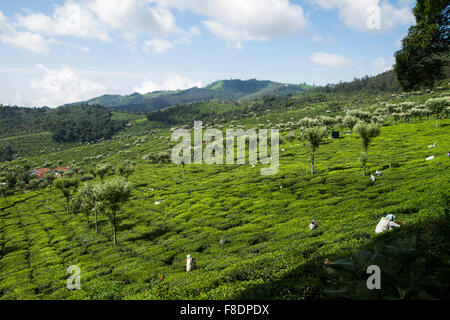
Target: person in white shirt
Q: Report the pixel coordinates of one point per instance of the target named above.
(313, 225)
(386, 224)
(190, 263)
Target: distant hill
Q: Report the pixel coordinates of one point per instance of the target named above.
(384, 82)
(224, 90)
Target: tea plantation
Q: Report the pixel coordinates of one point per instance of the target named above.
(269, 252)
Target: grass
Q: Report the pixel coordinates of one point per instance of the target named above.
(272, 254)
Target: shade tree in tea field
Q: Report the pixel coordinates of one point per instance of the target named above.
(367, 132)
(67, 186)
(313, 137)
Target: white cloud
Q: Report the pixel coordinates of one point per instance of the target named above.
(32, 42)
(171, 82)
(71, 19)
(185, 37)
(160, 45)
(330, 60)
(360, 14)
(58, 87)
(95, 18)
(134, 16)
(157, 45)
(382, 64)
(235, 21)
(98, 19)
(238, 21)
(320, 39)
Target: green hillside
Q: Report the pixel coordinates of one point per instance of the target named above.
(15, 120)
(225, 90)
(248, 233)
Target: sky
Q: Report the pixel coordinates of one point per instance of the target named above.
(54, 52)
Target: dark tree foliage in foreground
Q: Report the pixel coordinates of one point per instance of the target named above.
(423, 59)
(82, 123)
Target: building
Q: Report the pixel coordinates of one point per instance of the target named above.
(42, 172)
(57, 171)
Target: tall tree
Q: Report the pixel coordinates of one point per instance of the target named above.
(113, 195)
(405, 107)
(11, 177)
(437, 106)
(67, 185)
(126, 169)
(88, 202)
(350, 122)
(367, 132)
(424, 55)
(102, 171)
(4, 189)
(328, 122)
(364, 116)
(312, 137)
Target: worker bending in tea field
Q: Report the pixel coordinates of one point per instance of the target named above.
(190, 263)
(313, 225)
(387, 224)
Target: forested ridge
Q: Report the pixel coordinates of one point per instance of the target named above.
(223, 90)
(66, 124)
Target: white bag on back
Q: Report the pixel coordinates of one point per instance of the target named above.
(383, 225)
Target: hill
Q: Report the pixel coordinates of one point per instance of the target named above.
(384, 82)
(30, 131)
(270, 253)
(15, 120)
(225, 90)
(240, 90)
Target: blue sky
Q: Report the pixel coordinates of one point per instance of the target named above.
(55, 52)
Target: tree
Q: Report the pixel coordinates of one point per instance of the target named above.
(4, 189)
(49, 180)
(67, 185)
(126, 169)
(88, 201)
(312, 137)
(405, 108)
(367, 133)
(415, 113)
(425, 50)
(328, 122)
(363, 160)
(7, 152)
(11, 177)
(426, 112)
(84, 123)
(102, 171)
(350, 122)
(361, 115)
(390, 110)
(437, 106)
(23, 176)
(113, 195)
(309, 123)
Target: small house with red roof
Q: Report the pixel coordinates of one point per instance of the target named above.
(57, 171)
(42, 172)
